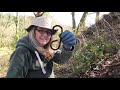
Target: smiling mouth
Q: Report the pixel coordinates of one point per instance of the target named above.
(43, 40)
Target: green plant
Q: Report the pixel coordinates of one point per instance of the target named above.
(87, 56)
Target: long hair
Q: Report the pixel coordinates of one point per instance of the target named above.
(46, 50)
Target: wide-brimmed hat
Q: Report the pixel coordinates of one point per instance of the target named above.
(41, 22)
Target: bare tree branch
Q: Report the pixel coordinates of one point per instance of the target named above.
(38, 14)
(82, 20)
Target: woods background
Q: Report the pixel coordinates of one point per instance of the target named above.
(97, 52)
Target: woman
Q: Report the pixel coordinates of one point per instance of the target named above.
(33, 57)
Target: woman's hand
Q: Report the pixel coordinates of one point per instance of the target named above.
(68, 39)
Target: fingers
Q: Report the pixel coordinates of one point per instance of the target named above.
(71, 39)
(66, 35)
(68, 38)
(73, 42)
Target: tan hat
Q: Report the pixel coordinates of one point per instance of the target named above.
(41, 22)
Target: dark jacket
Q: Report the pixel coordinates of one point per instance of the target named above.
(24, 62)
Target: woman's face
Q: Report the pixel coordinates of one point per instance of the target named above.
(42, 35)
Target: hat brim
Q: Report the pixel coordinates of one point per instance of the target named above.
(29, 28)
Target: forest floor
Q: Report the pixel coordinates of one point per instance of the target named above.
(109, 68)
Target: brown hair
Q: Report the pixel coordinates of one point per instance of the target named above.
(49, 52)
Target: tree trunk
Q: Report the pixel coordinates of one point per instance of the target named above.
(96, 21)
(73, 20)
(16, 24)
(82, 22)
(97, 17)
(79, 35)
